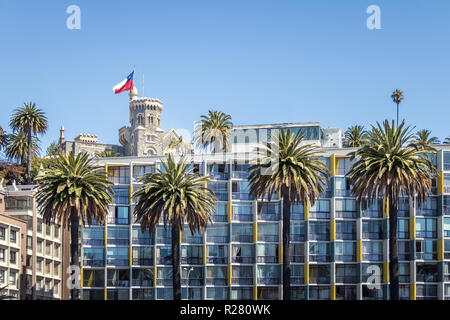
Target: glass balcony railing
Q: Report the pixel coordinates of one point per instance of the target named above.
(242, 280)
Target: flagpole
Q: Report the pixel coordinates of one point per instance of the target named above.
(143, 85)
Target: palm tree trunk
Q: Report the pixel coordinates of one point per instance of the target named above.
(286, 243)
(393, 251)
(29, 157)
(176, 278)
(74, 249)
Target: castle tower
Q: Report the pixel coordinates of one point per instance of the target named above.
(144, 136)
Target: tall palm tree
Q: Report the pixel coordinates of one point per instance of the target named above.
(299, 175)
(31, 120)
(3, 139)
(423, 138)
(180, 196)
(17, 148)
(108, 154)
(355, 136)
(388, 166)
(397, 97)
(214, 131)
(72, 190)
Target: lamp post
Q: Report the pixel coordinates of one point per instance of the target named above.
(189, 272)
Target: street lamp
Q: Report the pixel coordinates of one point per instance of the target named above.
(189, 272)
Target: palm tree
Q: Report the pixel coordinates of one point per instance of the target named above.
(447, 140)
(3, 139)
(397, 97)
(17, 148)
(214, 131)
(72, 190)
(355, 136)
(298, 176)
(53, 149)
(32, 121)
(388, 166)
(423, 138)
(179, 196)
(108, 154)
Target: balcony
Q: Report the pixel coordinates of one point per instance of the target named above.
(297, 280)
(118, 283)
(163, 282)
(94, 242)
(142, 261)
(346, 257)
(142, 241)
(217, 260)
(242, 280)
(192, 282)
(164, 260)
(242, 238)
(114, 220)
(216, 239)
(269, 280)
(216, 281)
(268, 237)
(242, 217)
(269, 216)
(117, 262)
(267, 259)
(347, 279)
(191, 260)
(249, 260)
(298, 259)
(347, 214)
(372, 235)
(93, 263)
(320, 257)
(372, 257)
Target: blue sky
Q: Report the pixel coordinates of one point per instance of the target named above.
(260, 61)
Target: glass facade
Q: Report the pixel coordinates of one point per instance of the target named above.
(337, 244)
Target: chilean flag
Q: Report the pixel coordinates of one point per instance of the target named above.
(125, 85)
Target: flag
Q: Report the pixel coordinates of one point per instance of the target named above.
(125, 85)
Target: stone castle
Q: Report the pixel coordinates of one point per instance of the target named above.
(143, 137)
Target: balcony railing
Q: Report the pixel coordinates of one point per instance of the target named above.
(298, 259)
(319, 280)
(220, 218)
(319, 215)
(426, 255)
(346, 235)
(268, 237)
(269, 216)
(216, 281)
(249, 260)
(240, 174)
(163, 282)
(298, 216)
(164, 260)
(297, 237)
(372, 257)
(269, 281)
(93, 242)
(372, 235)
(118, 283)
(346, 257)
(164, 240)
(242, 217)
(320, 257)
(217, 239)
(117, 262)
(192, 282)
(143, 241)
(347, 214)
(142, 283)
(297, 280)
(143, 261)
(242, 196)
(242, 238)
(119, 241)
(93, 262)
(114, 220)
(266, 259)
(217, 260)
(242, 280)
(426, 234)
(346, 279)
(191, 260)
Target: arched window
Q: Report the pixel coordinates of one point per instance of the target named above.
(140, 119)
(159, 122)
(150, 153)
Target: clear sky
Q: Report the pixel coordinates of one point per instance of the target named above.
(260, 61)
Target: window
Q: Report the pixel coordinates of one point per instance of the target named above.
(2, 254)
(243, 253)
(216, 276)
(268, 232)
(93, 236)
(426, 292)
(241, 293)
(297, 274)
(404, 272)
(346, 208)
(345, 251)
(120, 215)
(217, 234)
(267, 253)
(403, 250)
(268, 293)
(220, 190)
(343, 166)
(142, 277)
(191, 254)
(242, 232)
(320, 251)
(297, 211)
(345, 292)
(192, 276)
(345, 230)
(429, 208)
(164, 235)
(372, 229)
(29, 242)
(240, 190)
(346, 273)
(188, 237)
(403, 208)
(342, 187)
(164, 276)
(319, 231)
(298, 252)
(319, 293)
(372, 251)
(117, 256)
(121, 195)
(242, 275)
(426, 249)
(372, 210)
(319, 274)
(403, 228)
(269, 274)
(217, 254)
(269, 211)
(119, 175)
(12, 236)
(372, 269)
(297, 231)
(320, 210)
(143, 256)
(217, 293)
(426, 228)
(164, 255)
(218, 171)
(93, 257)
(242, 212)
(446, 227)
(2, 276)
(118, 235)
(427, 272)
(2, 233)
(12, 278)
(221, 213)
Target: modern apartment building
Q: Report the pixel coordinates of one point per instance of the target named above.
(12, 251)
(45, 249)
(338, 250)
